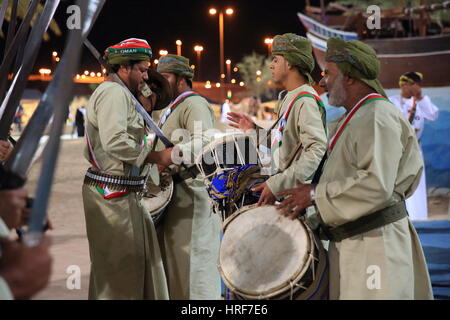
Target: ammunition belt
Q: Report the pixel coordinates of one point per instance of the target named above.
(94, 177)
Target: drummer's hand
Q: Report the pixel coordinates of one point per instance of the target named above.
(240, 121)
(296, 200)
(267, 197)
(163, 158)
(5, 150)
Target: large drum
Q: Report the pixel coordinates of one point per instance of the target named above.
(231, 166)
(157, 197)
(264, 255)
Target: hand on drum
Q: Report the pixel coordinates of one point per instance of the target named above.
(240, 121)
(267, 197)
(296, 200)
(163, 158)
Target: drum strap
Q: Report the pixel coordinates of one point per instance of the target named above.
(364, 224)
(181, 176)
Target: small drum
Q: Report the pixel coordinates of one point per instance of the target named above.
(264, 255)
(156, 198)
(231, 166)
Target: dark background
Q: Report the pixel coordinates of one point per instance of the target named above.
(161, 23)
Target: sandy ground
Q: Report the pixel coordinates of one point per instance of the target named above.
(70, 245)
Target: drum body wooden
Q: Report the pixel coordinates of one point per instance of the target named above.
(264, 255)
(157, 197)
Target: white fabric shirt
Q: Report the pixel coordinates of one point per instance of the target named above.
(425, 110)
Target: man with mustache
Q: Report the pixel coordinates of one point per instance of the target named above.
(373, 164)
(298, 138)
(125, 257)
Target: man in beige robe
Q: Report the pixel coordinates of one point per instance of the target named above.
(190, 231)
(298, 139)
(373, 165)
(125, 257)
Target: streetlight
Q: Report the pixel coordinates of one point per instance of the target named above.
(269, 42)
(228, 11)
(198, 50)
(55, 58)
(178, 43)
(163, 52)
(228, 63)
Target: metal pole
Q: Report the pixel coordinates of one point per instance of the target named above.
(221, 27)
(199, 67)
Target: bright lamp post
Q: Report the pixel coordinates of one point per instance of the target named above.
(178, 43)
(229, 12)
(198, 50)
(268, 42)
(228, 63)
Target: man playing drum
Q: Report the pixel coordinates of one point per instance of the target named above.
(189, 233)
(300, 131)
(373, 164)
(125, 256)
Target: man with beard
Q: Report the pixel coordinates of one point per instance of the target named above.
(300, 137)
(417, 108)
(373, 164)
(190, 232)
(125, 257)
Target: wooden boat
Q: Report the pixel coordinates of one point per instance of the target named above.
(398, 53)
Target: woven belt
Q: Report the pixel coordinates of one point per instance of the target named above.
(364, 224)
(133, 184)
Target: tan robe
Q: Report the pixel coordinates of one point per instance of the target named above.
(375, 163)
(190, 232)
(304, 125)
(5, 293)
(125, 257)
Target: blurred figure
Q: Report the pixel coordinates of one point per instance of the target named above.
(224, 111)
(417, 108)
(18, 118)
(80, 117)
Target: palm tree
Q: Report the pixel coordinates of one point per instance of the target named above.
(21, 11)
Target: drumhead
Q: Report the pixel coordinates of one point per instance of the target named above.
(262, 251)
(227, 152)
(158, 197)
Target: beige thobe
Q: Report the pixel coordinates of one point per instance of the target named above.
(190, 231)
(125, 257)
(5, 293)
(304, 125)
(375, 163)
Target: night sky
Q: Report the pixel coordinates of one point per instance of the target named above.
(161, 23)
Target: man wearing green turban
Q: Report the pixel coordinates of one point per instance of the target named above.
(298, 138)
(190, 232)
(373, 163)
(125, 256)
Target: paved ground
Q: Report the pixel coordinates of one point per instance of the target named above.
(70, 246)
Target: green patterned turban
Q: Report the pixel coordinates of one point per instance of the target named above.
(130, 49)
(357, 60)
(178, 65)
(297, 51)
